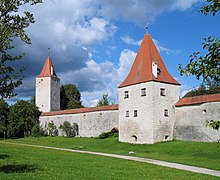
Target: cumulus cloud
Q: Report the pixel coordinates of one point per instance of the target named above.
(72, 29)
(161, 47)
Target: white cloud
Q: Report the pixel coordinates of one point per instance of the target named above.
(128, 40)
(184, 4)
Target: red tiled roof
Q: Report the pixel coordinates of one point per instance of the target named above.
(48, 69)
(198, 100)
(141, 70)
(81, 110)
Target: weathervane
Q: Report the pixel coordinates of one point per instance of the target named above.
(48, 51)
(147, 25)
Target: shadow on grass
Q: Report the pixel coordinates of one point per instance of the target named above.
(18, 168)
(4, 156)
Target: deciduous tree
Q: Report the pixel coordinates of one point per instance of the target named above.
(206, 66)
(23, 116)
(70, 97)
(12, 26)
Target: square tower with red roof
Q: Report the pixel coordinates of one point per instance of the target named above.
(146, 98)
(48, 88)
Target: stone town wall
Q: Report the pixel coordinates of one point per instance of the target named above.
(191, 122)
(91, 124)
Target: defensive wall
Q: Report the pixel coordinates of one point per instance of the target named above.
(91, 121)
(189, 124)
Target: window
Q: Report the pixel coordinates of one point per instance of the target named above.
(162, 92)
(143, 92)
(135, 113)
(166, 113)
(127, 114)
(126, 95)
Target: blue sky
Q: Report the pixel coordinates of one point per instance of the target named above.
(93, 43)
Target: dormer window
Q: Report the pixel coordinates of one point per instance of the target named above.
(158, 71)
(154, 69)
(143, 92)
(51, 70)
(126, 95)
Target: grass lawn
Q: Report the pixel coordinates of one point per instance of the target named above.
(19, 162)
(190, 153)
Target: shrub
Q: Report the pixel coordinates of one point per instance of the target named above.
(37, 131)
(69, 131)
(52, 129)
(112, 133)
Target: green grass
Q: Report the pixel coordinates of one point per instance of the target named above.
(191, 153)
(20, 162)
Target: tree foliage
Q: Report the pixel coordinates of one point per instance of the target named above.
(206, 66)
(12, 26)
(207, 87)
(4, 110)
(104, 101)
(70, 97)
(69, 130)
(212, 8)
(22, 117)
(214, 124)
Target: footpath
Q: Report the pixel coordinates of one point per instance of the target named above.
(133, 158)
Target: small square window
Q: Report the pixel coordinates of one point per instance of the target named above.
(162, 92)
(127, 114)
(143, 92)
(135, 113)
(126, 94)
(166, 113)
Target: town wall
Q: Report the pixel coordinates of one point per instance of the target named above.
(91, 124)
(191, 124)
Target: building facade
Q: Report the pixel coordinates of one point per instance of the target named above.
(149, 108)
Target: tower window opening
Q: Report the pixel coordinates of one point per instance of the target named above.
(135, 113)
(126, 95)
(158, 71)
(143, 92)
(127, 114)
(162, 92)
(166, 113)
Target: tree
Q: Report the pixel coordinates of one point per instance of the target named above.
(23, 116)
(4, 109)
(70, 97)
(12, 26)
(104, 101)
(70, 131)
(207, 66)
(207, 87)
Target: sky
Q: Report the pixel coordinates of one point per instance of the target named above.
(94, 42)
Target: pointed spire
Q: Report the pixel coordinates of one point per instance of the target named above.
(48, 69)
(148, 66)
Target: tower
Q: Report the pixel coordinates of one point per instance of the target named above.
(48, 88)
(146, 98)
